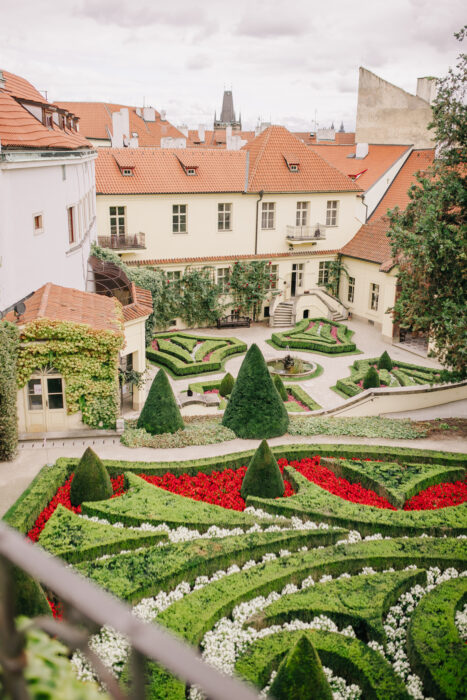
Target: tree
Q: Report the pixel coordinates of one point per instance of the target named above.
(263, 477)
(385, 362)
(371, 379)
(336, 269)
(160, 412)
(279, 384)
(429, 238)
(226, 385)
(250, 284)
(91, 481)
(300, 675)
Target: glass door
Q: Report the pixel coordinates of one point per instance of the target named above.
(45, 403)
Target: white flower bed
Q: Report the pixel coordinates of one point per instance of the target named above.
(461, 622)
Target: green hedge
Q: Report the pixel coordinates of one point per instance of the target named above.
(418, 375)
(300, 339)
(436, 652)
(302, 396)
(207, 347)
(166, 346)
(9, 343)
(179, 367)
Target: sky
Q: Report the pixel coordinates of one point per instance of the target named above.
(287, 62)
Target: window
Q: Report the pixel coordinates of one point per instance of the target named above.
(224, 217)
(223, 274)
(35, 395)
(190, 171)
(302, 214)
(331, 213)
(273, 276)
(267, 215)
(374, 297)
(351, 289)
(37, 224)
(127, 171)
(71, 213)
(293, 168)
(323, 274)
(174, 275)
(117, 221)
(179, 218)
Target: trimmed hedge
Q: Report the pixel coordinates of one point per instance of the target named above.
(300, 675)
(371, 379)
(9, 343)
(301, 339)
(279, 384)
(160, 412)
(404, 374)
(301, 395)
(91, 481)
(227, 384)
(263, 477)
(385, 362)
(180, 367)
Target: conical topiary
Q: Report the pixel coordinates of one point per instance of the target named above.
(160, 412)
(227, 384)
(263, 477)
(91, 481)
(371, 379)
(279, 384)
(255, 409)
(385, 362)
(300, 675)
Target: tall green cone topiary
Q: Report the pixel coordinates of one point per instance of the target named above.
(91, 481)
(279, 384)
(255, 409)
(227, 384)
(160, 413)
(300, 675)
(371, 379)
(263, 477)
(385, 362)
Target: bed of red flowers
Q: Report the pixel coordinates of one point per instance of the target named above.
(440, 496)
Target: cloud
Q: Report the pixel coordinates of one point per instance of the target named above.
(198, 62)
(270, 20)
(141, 13)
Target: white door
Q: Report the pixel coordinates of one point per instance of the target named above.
(45, 403)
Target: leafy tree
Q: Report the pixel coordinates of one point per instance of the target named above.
(91, 481)
(371, 379)
(336, 269)
(429, 238)
(160, 412)
(250, 285)
(300, 675)
(263, 477)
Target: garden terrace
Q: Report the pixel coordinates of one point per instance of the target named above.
(316, 335)
(402, 374)
(186, 355)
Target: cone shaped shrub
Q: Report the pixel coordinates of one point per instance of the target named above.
(263, 477)
(279, 384)
(385, 362)
(300, 675)
(255, 409)
(371, 379)
(227, 384)
(160, 412)
(91, 481)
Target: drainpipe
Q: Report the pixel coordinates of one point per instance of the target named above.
(261, 195)
(362, 197)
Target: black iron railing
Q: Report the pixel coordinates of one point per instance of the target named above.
(125, 242)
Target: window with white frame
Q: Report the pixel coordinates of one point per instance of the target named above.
(323, 272)
(273, 276)
(37, 223)
(331, 212)
(374, 296)
(223, 274)
(117, 221)
(301, 218)
(268, 210)
(174, 275)
(179, 218)
(72, 226)
(224, 217)
(351, 289)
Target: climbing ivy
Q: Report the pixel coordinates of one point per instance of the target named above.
(86, 358)
(250, 286)
(9, 338)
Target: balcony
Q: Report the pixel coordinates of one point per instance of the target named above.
(297, 235)
(127, 243)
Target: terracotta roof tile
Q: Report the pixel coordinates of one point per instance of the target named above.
(370, 242)
(141, 305)
(396, 195)
(268, 170)
(65, 304)
(229, 258)
(215, 139)
(21, 88)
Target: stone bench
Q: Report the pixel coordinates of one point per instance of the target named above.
(203, 399)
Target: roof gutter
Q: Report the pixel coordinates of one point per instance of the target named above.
(261, 195)
(362, 197)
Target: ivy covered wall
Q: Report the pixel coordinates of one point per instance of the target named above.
(9, 339)
(86, 358)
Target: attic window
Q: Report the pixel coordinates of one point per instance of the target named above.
(293, 163)
(127, 171)
(190, 171)
(293, 167)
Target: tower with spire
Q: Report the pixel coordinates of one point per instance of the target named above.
(227, 117)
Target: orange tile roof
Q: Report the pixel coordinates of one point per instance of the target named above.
(268, 170)
(229, 258)
(21, 88)
(158, 171)
(215, 139)
(345, 137)
(96, 122)
(65, 304)
(141, 305)
(371, 243)
(19, 128)
(396, 195)
(369, 169)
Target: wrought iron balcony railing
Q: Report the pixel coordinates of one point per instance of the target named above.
(127, 242)
(306, 233)
(85, 606)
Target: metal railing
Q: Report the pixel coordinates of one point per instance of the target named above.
(85, 604)
(125, 242)
(306, 233)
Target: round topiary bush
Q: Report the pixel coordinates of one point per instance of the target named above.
(255, 409)
(300, 675)
(385, 362)
(91, 481)
(160, 412)
(227, 385)
(371, 379)
(279, 384)
(263, 477)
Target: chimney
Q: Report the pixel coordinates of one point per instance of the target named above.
(139, 112)
(163, 115)
(361, 150)
(427, 89)
(184, 129)
(120, 128)
(149, 114)
(201, 133)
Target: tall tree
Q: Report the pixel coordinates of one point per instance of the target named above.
(429, 238)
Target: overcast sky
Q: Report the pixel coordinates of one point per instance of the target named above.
(283, 59)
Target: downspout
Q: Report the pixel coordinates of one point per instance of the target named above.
(362, 197)
(261, 195)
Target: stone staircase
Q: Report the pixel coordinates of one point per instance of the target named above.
(283, 314)
(335, 307)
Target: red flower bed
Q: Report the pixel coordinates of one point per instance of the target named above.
(63, 496)
(292, 399)
(439, 496)
(334, 335)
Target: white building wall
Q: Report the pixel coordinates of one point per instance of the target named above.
(47, 187)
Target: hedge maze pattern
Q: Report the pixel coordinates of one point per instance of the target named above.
(317, 335)
(186, 355)
(402, 374)
(375, 590)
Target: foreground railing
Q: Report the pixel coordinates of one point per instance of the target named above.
(306, 233)
(134, 240)
(87, 605)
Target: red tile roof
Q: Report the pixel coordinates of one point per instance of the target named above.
(268, 169)
(21, 88)
(215, 139)
(369, 169)
(396, 195)
(95, 122)
(65, 304)
(159, 171)
(229, 258)
(141, 305)
(371, 243)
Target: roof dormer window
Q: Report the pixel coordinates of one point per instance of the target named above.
(127, 171)
(190, 171)
(189, 164)
(293, 168)
(293, 163)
